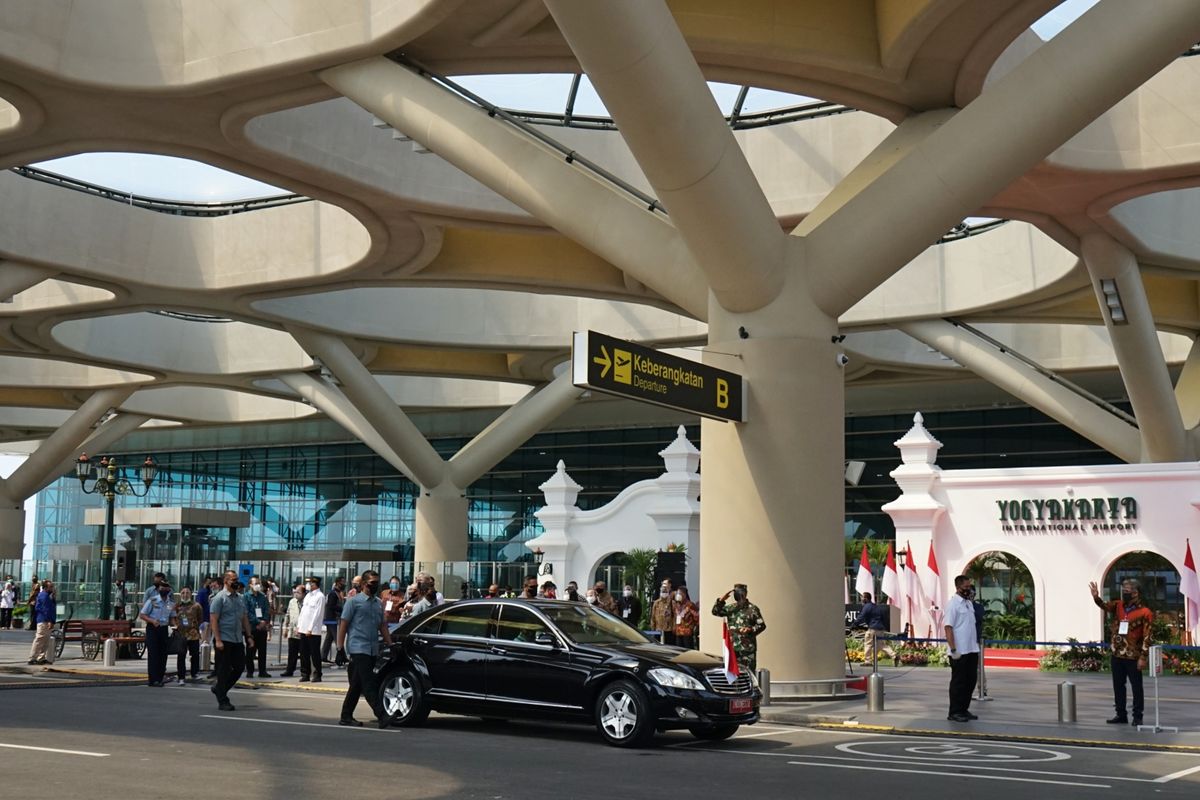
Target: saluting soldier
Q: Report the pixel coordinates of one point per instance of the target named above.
(745, 623)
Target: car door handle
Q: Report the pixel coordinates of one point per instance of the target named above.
(499, 651)
(418, 640)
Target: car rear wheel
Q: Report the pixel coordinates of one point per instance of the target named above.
(713, 733)
(623, 715)
(402, 699)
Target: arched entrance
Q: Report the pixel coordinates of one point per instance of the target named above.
(1005, 586)
(1160, 591)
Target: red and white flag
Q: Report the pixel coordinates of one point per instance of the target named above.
(933, 593)
(1189, 587)
(914, 593)
(727, 654)
(891, 581)
(864, 583)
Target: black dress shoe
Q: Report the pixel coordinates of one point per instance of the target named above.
(1118, 720)
(958, 718)
(317, 679)
(264, 674)
(227, 706)
(1136, 721)
(287, 674)
(305, 679)
(969, 715)
(353, 722)
(383, 724)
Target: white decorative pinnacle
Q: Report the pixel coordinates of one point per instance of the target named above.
(681, 455)
(561, 489)
(918, 446)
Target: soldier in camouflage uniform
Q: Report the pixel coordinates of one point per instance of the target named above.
(745, 624)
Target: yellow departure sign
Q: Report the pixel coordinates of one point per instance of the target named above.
(614, 366)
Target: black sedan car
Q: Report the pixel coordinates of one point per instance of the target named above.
(552, 659)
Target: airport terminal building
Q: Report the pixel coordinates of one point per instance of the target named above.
(861, 209)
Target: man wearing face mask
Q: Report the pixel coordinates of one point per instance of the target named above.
(359, 631)
(393, 599)
(189, 615)
(573, 593)
(591, 597)
(662, 614)
(604, 599)
(258, 609)
(229, 626)
(530, 592)
(745, 623)
(290, 621)
(158, 613)
(1130, 628)
(964, 649)
(334, 600)
(629, 607)
(310, 627)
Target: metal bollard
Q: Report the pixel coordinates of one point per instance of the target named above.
(110, 652)
(1066, 702)
(764, 683)
(205, 657)
(874, 692)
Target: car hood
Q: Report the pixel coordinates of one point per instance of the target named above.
(660, 654)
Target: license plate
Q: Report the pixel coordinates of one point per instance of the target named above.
(743, 705)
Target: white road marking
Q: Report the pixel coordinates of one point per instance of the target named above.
(55, 750)
(949, 774)
(943, 751)
(290, 722)
(1174, 775)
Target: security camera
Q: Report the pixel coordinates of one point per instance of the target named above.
(842, 359)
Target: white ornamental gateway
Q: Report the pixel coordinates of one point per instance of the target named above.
(1069, 525)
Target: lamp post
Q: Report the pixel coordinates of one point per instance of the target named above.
(109, 482)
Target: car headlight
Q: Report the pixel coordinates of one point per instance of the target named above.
(674, 679)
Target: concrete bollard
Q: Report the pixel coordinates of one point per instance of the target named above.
(1066, 702)
(110, 652)
(764, 684)
(205, 657)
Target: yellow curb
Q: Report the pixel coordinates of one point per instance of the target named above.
(95, 672)
(293, 687)
(1004, 737)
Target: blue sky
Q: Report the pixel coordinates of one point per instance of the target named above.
(181, 179)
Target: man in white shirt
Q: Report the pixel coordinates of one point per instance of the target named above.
(310, 627)
(964, 649)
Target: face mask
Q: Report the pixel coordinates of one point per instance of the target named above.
(592, 599)
(739, 596)
(372, 587)
(664, 595)
(1127, 596)
(164, 592)
(628, 593)
(309, 587)
(254, 587)
(678, 597)
(394, 586)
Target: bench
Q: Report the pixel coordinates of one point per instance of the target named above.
(92, 633)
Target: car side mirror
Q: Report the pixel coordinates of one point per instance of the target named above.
(546, 638)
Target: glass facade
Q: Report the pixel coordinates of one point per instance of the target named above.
(343, 496)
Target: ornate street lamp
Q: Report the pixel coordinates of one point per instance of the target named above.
(108, 482)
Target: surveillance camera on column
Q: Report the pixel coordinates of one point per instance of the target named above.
(842, 359)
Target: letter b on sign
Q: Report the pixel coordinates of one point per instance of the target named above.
(722, 393)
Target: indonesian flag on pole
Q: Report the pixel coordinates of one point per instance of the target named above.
(864, 583)
(891, 582)
(1189, 587)
(933, 592)
(727, 654)
(913, 592)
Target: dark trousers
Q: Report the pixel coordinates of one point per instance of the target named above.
(192, 648)
(1123, 668)
(361, 677)
(310, 655)
(964, 671)
(118, 610)
(5, 618)
(668, 637)
(231, 660)
(293, 654)
(688, 641)
(257, 651)
(156, 653)
(330, 638)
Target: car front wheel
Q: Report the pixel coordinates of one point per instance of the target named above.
(623, 715)
(402, 699)
(713, 733)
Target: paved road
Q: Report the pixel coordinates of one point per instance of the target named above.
(110, 741)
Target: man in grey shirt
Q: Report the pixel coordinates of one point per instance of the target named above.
(359, 631)
(227, 619)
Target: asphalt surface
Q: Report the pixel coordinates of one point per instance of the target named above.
(114, 741)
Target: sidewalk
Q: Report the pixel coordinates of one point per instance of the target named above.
(1023, 704)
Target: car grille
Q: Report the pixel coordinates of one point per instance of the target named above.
(720, 683)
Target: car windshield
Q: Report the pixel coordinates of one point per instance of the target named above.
(586, 625)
